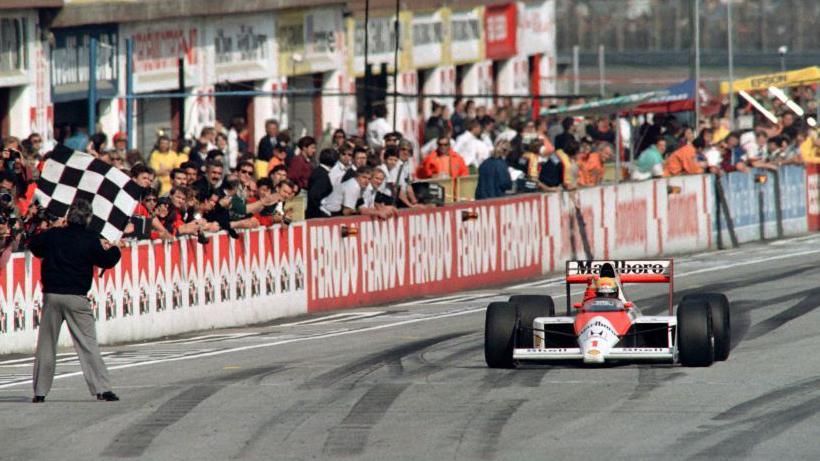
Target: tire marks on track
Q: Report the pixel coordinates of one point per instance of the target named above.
(479, 439)
(657, 305)
(650, 378)
(809, 303)
(523, 377)
(350, 436)
(375, 361)
(136, 438)
(746, 425)
(369, 409)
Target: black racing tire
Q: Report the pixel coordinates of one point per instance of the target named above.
(499, 335)
(695, 339)
(721, 321)
(528, 308)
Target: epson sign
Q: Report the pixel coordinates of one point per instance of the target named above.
(622, 267)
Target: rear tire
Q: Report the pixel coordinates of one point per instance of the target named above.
(695, 339)
(499, 335)
(529, 307)
(721, 321)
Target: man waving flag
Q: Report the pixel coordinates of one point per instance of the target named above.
(69, 175)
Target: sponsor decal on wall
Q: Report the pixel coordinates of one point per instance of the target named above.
(243, 47)
(500, 31)
(429, 37)
(157, 50)
(381, 42)
(466, 34)
(536, 27)
(310, 41)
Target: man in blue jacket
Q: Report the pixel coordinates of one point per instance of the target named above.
(493, 177)
(69, 256)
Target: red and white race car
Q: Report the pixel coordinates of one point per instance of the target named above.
(606, 326)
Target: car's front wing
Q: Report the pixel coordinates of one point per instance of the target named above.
(574, 353)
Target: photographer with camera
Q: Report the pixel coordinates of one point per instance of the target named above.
(9, 239)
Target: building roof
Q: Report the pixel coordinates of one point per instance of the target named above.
(85, 12)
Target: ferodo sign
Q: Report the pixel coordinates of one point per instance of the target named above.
(356, 261)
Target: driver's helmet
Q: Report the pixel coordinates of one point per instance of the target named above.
(607, 288)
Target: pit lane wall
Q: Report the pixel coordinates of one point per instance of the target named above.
(166, 288)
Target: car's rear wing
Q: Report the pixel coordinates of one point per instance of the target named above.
(627, 271)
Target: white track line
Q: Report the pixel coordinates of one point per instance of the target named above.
(385, 326)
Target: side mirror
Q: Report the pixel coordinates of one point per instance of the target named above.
(629, 304)
(577, 305)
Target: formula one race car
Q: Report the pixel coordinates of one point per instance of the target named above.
(605, 326)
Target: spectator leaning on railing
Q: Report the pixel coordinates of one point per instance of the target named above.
(590, 165)
(650, 161)
(557, 172)
(320, 184)
(493, 174)
(684, 159)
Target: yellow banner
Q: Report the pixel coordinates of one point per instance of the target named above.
(290, 34)
(406, 41)
(805, 76)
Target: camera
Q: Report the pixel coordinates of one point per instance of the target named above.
(9, 220)
(6, 198)
(200, 236)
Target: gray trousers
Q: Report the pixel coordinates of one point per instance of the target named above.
(76, 311)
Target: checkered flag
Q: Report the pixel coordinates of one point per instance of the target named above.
(70, 175)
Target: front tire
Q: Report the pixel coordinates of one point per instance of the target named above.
(499, 335)
(695, 339)
(529, 307)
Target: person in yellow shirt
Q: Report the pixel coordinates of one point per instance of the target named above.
(810, 146)
(163, 160)
(720, 128)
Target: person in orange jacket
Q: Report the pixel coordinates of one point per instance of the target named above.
(443, 162)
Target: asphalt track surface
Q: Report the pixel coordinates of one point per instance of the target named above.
(408, 381)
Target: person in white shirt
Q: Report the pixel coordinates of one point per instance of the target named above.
(344, 200)
(404, 167)
(237, 126)
(373, 202)
(341, 166)
(470, 146)
(390, 168)
(378, 128)
(488, 132)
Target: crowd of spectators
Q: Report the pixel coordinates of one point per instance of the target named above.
(668, 147)
(223, 180)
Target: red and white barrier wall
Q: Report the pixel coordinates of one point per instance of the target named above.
(165, 288)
